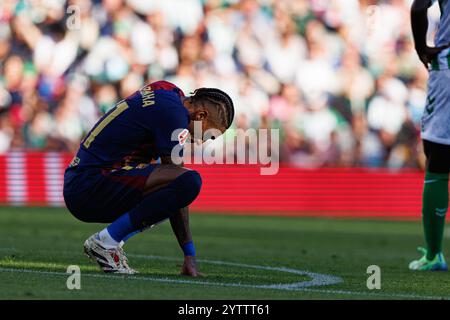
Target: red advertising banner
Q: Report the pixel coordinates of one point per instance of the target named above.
(36, 179)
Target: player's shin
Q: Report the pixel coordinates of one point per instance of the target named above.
(132, 234)
(166, 201)
(153, 209)
(112, 235)
(435, 205)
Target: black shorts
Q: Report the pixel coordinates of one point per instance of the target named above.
(101, 195)
(438, 157)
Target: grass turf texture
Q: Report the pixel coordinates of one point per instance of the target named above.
(44, 241)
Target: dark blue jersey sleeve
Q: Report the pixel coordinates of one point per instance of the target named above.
(173, 122)
(164, 119)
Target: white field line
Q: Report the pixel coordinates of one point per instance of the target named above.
(317, 279)
(286, 287)
(299, 286)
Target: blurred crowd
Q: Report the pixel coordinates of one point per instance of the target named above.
(339, 79)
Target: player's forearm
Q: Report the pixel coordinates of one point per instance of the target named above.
(180, 223)
(419, 23)
(180, 226)
(180, 220)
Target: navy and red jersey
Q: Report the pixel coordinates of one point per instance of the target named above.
(137, 130)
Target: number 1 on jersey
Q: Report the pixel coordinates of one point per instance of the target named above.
(121, 107)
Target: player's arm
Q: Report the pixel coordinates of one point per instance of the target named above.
(419, 24)
(180, 221)
(180, 226)
(166, 125)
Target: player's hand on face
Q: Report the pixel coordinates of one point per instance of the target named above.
(427, 54)
(189, 267)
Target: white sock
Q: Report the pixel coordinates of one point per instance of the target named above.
(107, 241)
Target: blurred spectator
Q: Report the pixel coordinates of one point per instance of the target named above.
(340, 79)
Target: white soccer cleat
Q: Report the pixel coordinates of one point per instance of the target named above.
(111, 260)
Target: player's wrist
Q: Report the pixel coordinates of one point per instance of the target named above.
(188, 249)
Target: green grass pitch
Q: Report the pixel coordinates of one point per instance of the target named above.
(242, 258)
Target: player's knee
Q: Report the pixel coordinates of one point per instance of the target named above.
(188, 187)
(196, 182)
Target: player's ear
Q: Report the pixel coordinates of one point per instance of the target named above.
(201, 115)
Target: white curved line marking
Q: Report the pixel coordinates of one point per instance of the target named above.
(288, 287)
(293, 286)
(239, 285)
(317, 279)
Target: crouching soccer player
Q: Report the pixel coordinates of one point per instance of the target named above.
(115, 179)
(435, 132)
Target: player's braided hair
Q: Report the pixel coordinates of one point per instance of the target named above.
(222, 101)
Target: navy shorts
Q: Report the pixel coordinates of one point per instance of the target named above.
(438, 157)
(102, 195)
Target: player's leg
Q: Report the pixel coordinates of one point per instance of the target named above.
(435, 206)
(161, 176)
(167, 190)
(95, 195)
(435, 195)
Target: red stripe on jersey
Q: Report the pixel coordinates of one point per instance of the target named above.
(165, 85)
(133, 181)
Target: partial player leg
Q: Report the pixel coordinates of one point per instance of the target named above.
(435, 206)
(164, 198)
(160, 177)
